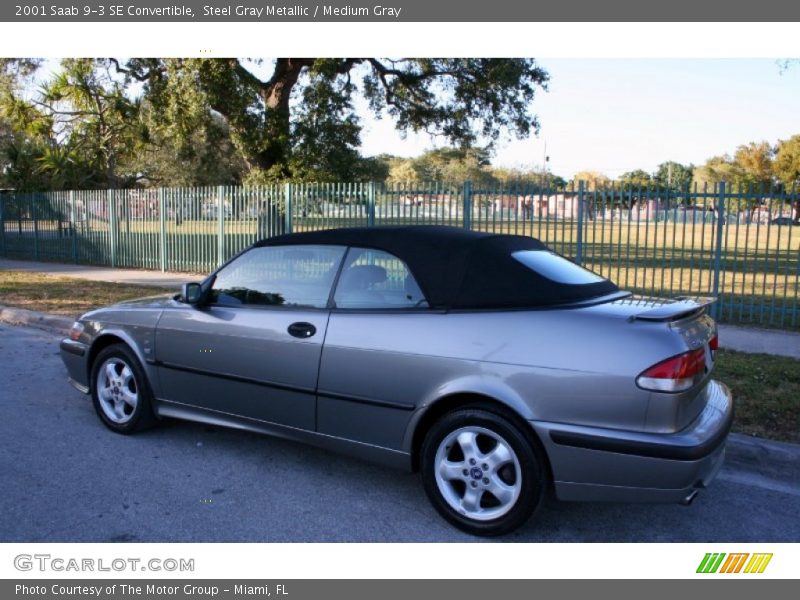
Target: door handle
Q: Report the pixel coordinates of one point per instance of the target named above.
(301, 329)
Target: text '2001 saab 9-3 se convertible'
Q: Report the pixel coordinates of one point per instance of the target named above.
(494, 366)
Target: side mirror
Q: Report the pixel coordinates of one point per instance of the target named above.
(191, 292)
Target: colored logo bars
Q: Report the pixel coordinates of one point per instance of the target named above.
(718, 563)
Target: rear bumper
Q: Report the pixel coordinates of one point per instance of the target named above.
(605, 464)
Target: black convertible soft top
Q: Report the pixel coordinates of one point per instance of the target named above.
(457, 268)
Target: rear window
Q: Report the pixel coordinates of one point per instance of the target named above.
(555, 267)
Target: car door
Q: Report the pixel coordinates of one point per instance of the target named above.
(253, 349)
(374, 369)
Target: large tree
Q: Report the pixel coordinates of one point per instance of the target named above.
(448, 165)
(787, 162)
(787, 170)
(593, 180)
(288, 122)
(79, 129)
(673, 176)
(748, 171)
(755, 161)
(6, 143)
(750, 167)
(718, 169)
(637, 179)
(544, 180)
(204, 156)
(14, 74)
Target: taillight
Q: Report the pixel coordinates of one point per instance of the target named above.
(713, 343)
(675, 374)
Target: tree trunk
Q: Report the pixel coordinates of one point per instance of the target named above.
(276, 94)
(270, 147)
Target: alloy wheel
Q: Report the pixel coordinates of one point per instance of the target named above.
(117, 390)
(478, 473)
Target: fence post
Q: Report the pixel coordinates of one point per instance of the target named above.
(467, 205)
(718, 248)
(371, 204)
(221, 221)
(73, 224)
(35, 228)
(3, 222)
(288, 216)
(112, 226)
(162, 222)
(579, 235)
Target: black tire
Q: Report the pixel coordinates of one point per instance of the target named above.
(130, 419)
(529, 458)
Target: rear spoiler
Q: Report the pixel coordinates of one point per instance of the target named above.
(677, 309)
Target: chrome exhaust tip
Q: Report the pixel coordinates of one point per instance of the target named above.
(690, 498)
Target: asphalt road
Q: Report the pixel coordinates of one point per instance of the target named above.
(65, 478)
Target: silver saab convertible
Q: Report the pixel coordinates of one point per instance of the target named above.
(489, 363)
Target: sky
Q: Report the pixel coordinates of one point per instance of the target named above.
(617, 115)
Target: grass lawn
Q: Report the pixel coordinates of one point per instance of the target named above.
(766, 392)
(64, 295)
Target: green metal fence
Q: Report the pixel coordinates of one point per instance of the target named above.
(740, 244)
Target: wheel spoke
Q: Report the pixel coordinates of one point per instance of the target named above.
(129, 397)
(471, 502)
(498, 456)
(119, 409)
(500, 490)
(111, 372)
(105, 394)
(468, 440)
(126, 375)
(450, 470)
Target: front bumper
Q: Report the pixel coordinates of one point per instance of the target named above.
(75, 354)
(605, 464)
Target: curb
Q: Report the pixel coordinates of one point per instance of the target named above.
(759, 341)
(30, 318)
(767, 458)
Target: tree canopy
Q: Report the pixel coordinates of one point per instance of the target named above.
(106, 123)
(112, 123)
(593, 179)
(298, 119)
(636, 179)
(787, 162)
(449, 165)
(673, 176)
(751, 166)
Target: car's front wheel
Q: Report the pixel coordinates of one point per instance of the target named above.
(120, 391)
(481, 472)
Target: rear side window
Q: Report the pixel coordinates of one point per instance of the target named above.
(373, 279)
(556, 268)
(300, 276)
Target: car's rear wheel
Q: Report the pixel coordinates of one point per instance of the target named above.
(481, 472)
(120, 391)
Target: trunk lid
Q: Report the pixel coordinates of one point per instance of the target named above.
(687, 322)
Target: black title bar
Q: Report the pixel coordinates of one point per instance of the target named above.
(404, 11)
